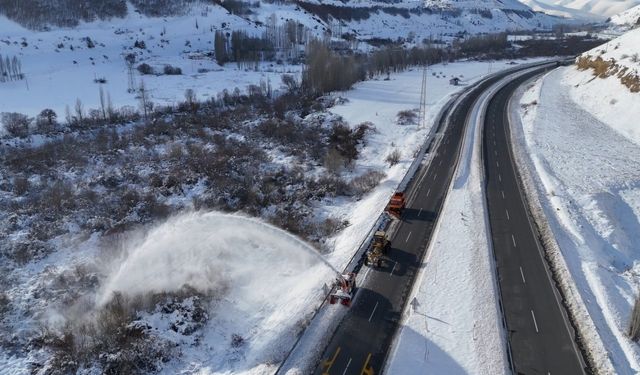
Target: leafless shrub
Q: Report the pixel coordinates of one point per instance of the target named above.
(20, 185)
(407, 117)
(16, 124)
(237, 341)
(334, 161)
(634, 323)
(5, 303)
(145, 68)
(331, 226)
(366, 182)
(394, 157)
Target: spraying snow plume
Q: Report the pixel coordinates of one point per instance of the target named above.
(208, 252)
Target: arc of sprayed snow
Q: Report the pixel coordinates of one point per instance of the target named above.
(278, 231)
(103, 298)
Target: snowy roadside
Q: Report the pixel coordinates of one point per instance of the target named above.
(582, 181)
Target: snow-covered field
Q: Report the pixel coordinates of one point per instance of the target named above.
(579, 140)
(60, 68)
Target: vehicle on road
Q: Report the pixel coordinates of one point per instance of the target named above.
(344, 289)
(396, 204)
(380, 246)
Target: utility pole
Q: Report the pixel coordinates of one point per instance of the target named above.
(423, 99)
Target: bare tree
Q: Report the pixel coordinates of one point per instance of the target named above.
(103, 104)
(145, 102)
(17, 124)
(191, 100)
(79, 110)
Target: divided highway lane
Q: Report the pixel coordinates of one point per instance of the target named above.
(540, 336)
(362, 340)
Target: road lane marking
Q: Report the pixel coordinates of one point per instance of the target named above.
(514, 240)
(497, 164)
(329, 362)
(364, 277)
(522, 274)
(419, 212)
(366, 369)
(346, 368)
(507, 211)
(407, 240)
(439, 164)
(428, 191)
(500, 177)
(534, 321)
(502, 191)
(394, 267)
(374, 311)
(495, 152)
(435, 175)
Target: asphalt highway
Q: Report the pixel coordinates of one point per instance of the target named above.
(540, 335)
(362, 340)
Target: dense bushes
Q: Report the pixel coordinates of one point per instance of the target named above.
(326, 71)
(607, 68)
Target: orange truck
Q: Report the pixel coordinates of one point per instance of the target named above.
(396, 204)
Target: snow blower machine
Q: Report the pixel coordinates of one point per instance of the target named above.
(344, 289)
(379, 247)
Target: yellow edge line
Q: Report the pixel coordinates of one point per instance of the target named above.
(328, 363)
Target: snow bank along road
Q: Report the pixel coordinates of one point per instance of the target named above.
(541, 338)
(362, 340)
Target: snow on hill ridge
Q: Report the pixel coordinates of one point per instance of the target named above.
(629, 17)
(562, 11)
(605, 8)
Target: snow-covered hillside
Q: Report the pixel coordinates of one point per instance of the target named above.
(559, 10)
(606, 82)
(77, 63)
(579, 142)
(630, 17)
(598, 8)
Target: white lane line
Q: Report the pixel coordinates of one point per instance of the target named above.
(495, 152)
(507, 211)
(502, 191)
(522, 274)
(374, 310)
(428, 191)
(534, 321)
(346, 368)
(419, 212)
(500, 177)
(435, 175)
(514, 240)
(394, 267)
(497, 164)
(407, 240)
(439, 164)
(364, 277)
